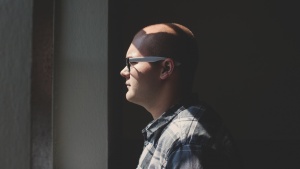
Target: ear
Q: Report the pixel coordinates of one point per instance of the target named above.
(167, 68)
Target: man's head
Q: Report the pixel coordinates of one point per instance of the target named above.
(172, 57)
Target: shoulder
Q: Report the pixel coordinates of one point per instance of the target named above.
(193, 125)
(185, 128)
(187, 123)
(193, 120)
(184, 134)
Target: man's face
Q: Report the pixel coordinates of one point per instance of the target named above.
(143, 80)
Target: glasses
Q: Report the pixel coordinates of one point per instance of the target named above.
(146, 59)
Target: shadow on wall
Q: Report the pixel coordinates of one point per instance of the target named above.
(248, 71)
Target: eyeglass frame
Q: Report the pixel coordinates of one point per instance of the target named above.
(146, 59)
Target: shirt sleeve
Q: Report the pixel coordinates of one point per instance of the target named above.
(197, 157)
(185, 156)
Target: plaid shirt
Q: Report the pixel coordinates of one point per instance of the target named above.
(187, 137)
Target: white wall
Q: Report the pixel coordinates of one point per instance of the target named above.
(80, 84)
(15, 67)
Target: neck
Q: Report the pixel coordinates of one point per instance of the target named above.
(166, 99)
(157, 110)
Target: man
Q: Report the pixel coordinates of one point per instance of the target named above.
(160, 65)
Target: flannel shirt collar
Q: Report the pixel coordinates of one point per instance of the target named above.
(162, 121)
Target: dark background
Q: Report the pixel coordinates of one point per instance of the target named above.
(248, 72)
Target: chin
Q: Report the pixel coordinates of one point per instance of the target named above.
(130, 97)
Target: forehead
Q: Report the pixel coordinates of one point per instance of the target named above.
(133, 51)
(138, 47)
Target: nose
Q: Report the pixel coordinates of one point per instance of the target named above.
(124, 72)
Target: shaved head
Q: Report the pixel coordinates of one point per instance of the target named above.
(168, 28)
(170, 40)
(166, 39)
